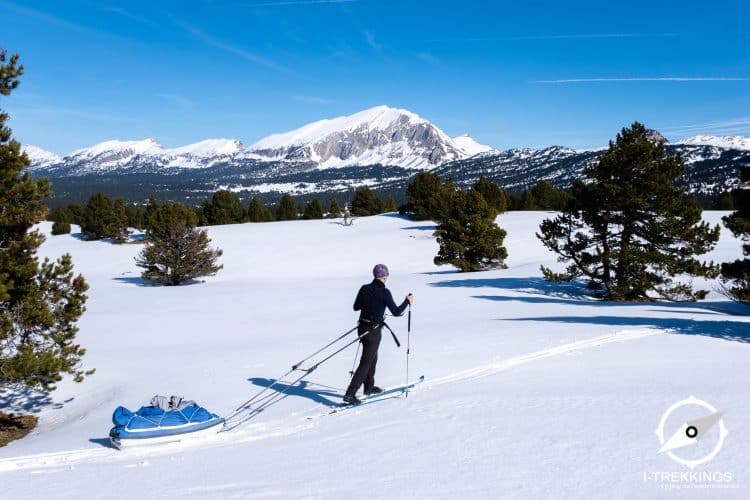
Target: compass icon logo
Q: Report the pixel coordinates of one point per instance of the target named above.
(698, 425)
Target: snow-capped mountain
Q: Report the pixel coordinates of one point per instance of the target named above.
(469, 146)
(376, 136)
(725, 142)
(379, 135)
(379, 147)
(39, 156)
(115, 156)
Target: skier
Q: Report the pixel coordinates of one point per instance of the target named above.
(372, 299)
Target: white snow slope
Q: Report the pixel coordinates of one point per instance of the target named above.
(533, 390)
(726, 142)
(39, 156)
(468, 145)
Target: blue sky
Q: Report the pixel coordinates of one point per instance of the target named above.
(512, 74)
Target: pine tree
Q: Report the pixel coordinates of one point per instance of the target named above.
(493, 194)
(334, 210)
(287, 209)
(176, 251)
(256, 212)
(61, 221)
(225, 207)
(99, 218)
(527, 201)
(136, 216)
(725, 201)
(546, 197)
(736, 275)
(313, 210)
(120, 231)
(365, 202)
(629, 229)
(470, 239)
(428, 197)
(77, 213)
(389, 205)
(39, 303)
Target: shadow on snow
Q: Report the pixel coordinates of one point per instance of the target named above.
(536, 290)
(16, 398)
(104, 442)
(532, 285)
(721, 329)
(302, 389)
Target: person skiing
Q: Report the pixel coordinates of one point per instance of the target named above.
(371, 301)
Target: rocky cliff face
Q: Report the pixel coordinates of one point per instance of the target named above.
(380, 135)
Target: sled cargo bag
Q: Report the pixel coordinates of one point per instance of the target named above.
(154, 424)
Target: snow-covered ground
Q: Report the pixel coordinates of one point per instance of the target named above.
(533, 390)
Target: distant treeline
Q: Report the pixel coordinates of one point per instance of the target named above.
(101, 217)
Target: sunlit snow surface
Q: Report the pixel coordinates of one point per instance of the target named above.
(533, 390)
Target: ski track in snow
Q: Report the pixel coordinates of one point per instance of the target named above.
(249, 432)
(502, 365)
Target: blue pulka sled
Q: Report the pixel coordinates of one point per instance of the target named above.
(153, 425)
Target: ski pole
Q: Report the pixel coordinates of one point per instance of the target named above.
(294, 367)
(354, 363)
(408, 349)
(271, 398)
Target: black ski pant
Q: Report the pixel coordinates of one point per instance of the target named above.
(365, 372)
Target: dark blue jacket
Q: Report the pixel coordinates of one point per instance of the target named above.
(373, 298)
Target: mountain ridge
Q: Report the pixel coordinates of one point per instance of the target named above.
(380, 147)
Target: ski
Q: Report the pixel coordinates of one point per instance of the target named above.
(389, 393)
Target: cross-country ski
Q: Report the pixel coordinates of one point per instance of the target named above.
(389, 393)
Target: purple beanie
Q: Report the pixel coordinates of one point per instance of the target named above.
(380, 271)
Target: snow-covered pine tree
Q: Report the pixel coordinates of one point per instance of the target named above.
(628, 228)
(39, 304)
(736, 275)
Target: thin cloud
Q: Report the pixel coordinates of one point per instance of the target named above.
(237, 51)
(732, 126)
(177, 99)
(129, 15)
(49, 18)
(370, 38)
(312, 99)
(649, 79)
(297, 2)
(564, 36)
